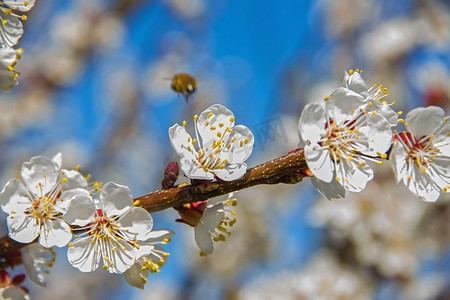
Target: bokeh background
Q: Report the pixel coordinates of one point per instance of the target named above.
(95, 85)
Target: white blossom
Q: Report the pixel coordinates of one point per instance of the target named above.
(11, 29)
(36, 199)
(219, 149)
(373, 97)
(150, 258)
(339, 136)
(210, 221)
(421, 155)
(110, 230)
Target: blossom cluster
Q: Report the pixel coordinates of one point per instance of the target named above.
(48, 203)
(351, 130)
(11, 30)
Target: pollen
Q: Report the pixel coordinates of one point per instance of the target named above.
(184, 123)
(232, 119)
(195, 117)
(210, 115)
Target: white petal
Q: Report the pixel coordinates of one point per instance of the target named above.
(158, 236)
(379, 135)
(384, 110)
(134, 276)
(115, 198)
(7, 80)
(21, 5)
(212, 217)
(423, 186)
(121, 259)
(7, 57)
(191, 171)
(399, 163)
(22, 228)
(55, 233)
(13, 197)
(353, 178)
(80, 211)
(330, 190)
(355, 82)
(344, 105)
(231, 172)
(312, 123)
(319, 162)
(182, 142)
(57, 160)
(66, 197)
(203, 239)
(240, 144)
(218, 115)
(33, 173)
(82, 254)
(136, 223)
(423, 121)
(10, 32)
(74, 180)
(37, 260)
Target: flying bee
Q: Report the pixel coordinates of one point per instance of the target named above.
(185, 84)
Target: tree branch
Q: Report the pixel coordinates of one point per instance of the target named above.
(276, 171)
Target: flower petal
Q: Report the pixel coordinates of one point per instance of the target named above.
(39, 170)
(13, 293)
(379, 135)
(239, 145)
(355, 82)
(82, 254)
(136, 223)
(312, 123)
(330, 190)
(319, 162)
(74, 180)
(231, 172)
(66, 197)
(134, 276)
(181, 141)
(55, 233)
(212, 217)
(115, 198)
(353, 178)
(13, 198)
(22, 228)
(344, 105)
(215, 119)
(158, 236)
(11, 31)
(80, 211)
(203, 239)
(424, 121)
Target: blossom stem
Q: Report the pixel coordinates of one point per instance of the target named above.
(272, 172)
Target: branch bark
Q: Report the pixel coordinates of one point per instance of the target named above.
(276, 171)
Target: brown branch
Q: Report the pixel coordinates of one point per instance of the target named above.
(276, 171)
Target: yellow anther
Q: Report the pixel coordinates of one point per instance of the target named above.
(70, 245)
(24, 17)
(64, 179)
(207, 123)
(212, 128)
(210, 115)
(370, 104)
(195, 117)
(326, 98)
(350, 72)
(220, 125)
(189, 148)
(337, 178)
(184, 123)
(399, 113)
(232, 119)
(374, 113)
(246, 141)
(105, 267)
(241, 143)
(4, 22)
(194, 141)
(406, 124)
(379, 162)
(136, 203)
(401, 121)
(363, 164)
(219, 134)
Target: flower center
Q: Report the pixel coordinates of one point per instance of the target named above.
(209, 161)
(420, 151)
